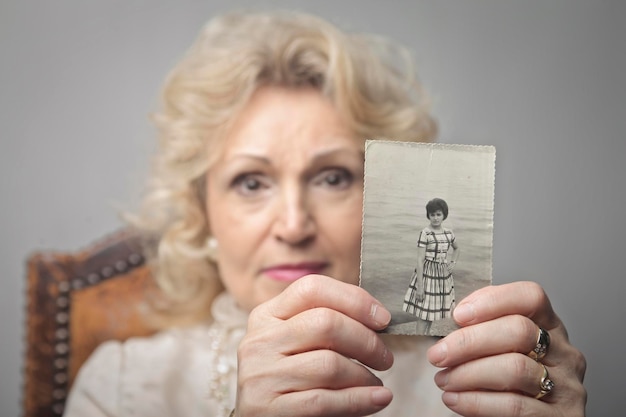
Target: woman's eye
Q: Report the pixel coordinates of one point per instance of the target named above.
(335, 178)
(248, 184)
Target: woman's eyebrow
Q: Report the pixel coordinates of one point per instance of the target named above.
(317, 156)
(249, 155)
(333, 152)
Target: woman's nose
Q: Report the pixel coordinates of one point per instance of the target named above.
(294, 220)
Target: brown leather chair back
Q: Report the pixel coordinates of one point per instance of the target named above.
(75, 301)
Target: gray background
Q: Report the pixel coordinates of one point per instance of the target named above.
(543, 81)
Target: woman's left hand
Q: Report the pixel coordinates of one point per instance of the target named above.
(488, 368)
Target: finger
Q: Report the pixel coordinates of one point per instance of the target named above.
(510, 333)
(321, 369)
(507, 334)
(494, 404)
(323, 328)
(509, 372)
(320, 291)
(349, 402)
(524, 298)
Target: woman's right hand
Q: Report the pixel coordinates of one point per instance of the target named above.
(297, 356)
(421, 294)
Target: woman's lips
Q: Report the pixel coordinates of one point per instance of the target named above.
(290, 273)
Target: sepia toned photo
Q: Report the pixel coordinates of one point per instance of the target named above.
(427, 230)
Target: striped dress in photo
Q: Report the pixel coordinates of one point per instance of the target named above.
(438, 281)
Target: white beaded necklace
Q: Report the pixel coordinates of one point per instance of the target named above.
(221, 369)
(224, 334)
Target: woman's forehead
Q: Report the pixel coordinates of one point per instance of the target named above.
(287, 121)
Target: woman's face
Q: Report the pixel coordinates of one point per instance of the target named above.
(436, 218)
(285, 197)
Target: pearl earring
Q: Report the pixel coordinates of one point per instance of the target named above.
(211, 244)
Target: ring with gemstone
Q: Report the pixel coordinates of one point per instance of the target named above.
(541, 346)
(545, 384)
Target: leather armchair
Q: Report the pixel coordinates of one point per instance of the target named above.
(75, 301)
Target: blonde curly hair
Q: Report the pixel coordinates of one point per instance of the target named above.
(369, 80)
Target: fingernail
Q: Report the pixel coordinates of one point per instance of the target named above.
(441, 379)
(450, 398)
(464, 313)
(380, 315)
(381, 396)
(387, 357)
(438, 353)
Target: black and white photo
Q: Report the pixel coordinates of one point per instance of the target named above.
(427, 230)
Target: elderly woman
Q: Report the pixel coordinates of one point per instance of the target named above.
(256, 204)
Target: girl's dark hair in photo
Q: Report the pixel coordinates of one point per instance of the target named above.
(437, 204)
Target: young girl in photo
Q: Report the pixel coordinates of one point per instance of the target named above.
(430, 295)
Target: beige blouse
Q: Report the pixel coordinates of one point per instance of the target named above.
(191, 372)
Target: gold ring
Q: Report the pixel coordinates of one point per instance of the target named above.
(545, 384)
(541, 346)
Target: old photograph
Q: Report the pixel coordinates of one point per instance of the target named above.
(427, 230)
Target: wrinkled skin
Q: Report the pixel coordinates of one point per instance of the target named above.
(295, 358)
(488, 372)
